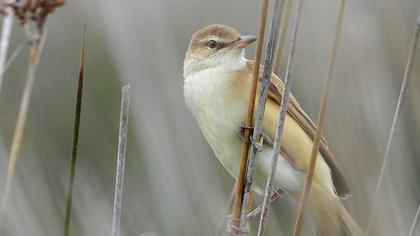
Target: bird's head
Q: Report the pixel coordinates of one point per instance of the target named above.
(216, 46)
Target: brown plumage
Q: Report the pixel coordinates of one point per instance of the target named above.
(299, 115)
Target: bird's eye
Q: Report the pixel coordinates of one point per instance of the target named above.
(212, 44)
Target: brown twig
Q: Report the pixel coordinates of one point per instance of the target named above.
(35, 53)
(397, 116)
(78, 111)
(268, 70)
(237, 205)
(320, 123)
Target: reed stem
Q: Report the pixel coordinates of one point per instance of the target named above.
(283, 33)
(279, 131)
(5, 41)
(415, 222)
(397, 117)
(239, 194)
(259, 116)
(122, 146)
(35, 53)
(320, 123)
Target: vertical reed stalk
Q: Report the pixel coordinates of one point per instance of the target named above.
(397, 117)
(320, 122)
(122, 145)
(35, 53)
(283, 32)
(237, 204)
(5, 41)
(78, 111)
(268, 69)
(283, 109)
(415, 222)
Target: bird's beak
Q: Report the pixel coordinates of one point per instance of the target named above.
(243, 41)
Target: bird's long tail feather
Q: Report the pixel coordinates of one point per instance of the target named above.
(330, 217)
(350, 226)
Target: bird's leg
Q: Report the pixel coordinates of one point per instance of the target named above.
(234, 230)
(241, 132)
(258, 144)
(227, 216)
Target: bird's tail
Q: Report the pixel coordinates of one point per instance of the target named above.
(350, 226)
(330, 217)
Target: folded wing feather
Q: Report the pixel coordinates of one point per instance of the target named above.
(299, 115)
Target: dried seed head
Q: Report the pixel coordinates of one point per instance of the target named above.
(32, 10)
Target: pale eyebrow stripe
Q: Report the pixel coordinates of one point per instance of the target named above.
(215, 38)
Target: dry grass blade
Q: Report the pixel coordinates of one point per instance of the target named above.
(397, 116)
(68, 204)
(253, 214)
(415, 222)
(268, 69)
(282, 115)
(320, 123)
(122, 144)
(5, 41)
(251, 103)
(283, 32)
(35, 53)
(15, 53)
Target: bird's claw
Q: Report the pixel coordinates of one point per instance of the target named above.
(233, 229)
(241, 132)
(258, 145)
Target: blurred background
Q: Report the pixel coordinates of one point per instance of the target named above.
(174, 185)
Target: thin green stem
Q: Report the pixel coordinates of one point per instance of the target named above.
(78, 111)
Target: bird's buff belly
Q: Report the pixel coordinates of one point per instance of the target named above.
(220, 133)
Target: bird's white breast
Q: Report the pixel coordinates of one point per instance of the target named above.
(205, 94)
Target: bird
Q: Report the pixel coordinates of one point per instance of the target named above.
(217, 84)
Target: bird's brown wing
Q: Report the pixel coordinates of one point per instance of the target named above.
(299, 115)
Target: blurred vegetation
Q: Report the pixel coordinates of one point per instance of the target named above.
(174, 185)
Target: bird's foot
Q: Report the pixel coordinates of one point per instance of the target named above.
(241, 132)
(235, 230)
(258, 145)
(267, 140)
